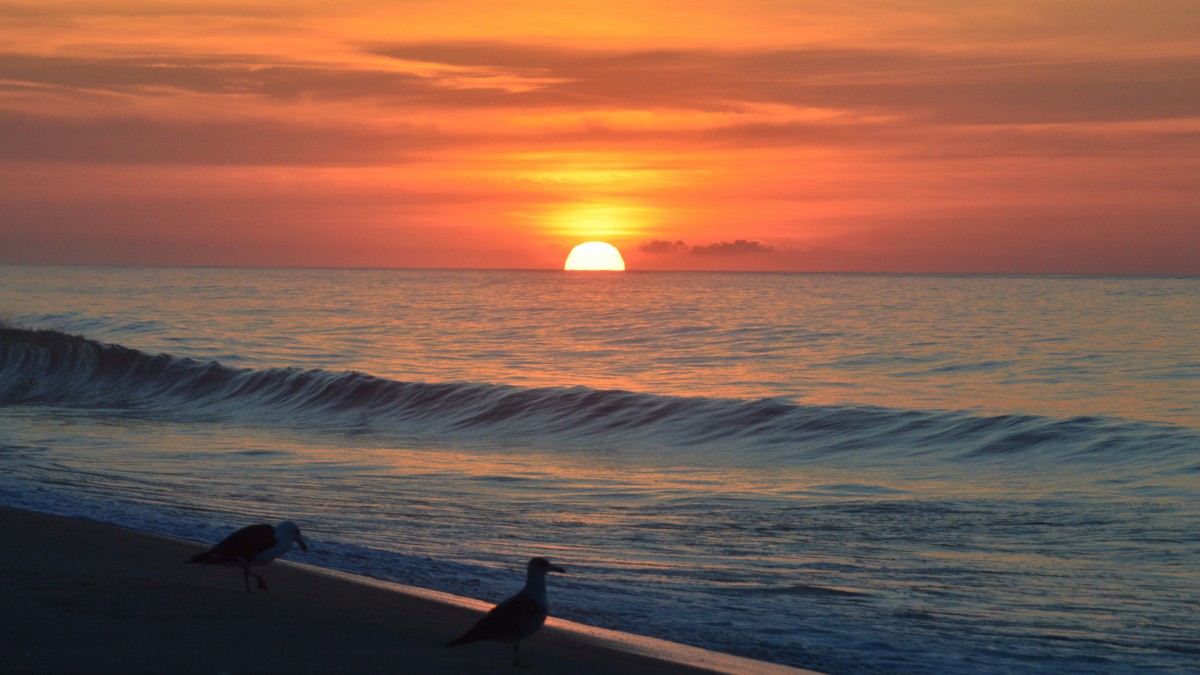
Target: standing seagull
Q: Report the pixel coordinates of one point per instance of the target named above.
(252, 545)
(517, 617)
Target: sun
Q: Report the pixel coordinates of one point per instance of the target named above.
(595, 255)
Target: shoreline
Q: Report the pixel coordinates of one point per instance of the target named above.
(84, 596)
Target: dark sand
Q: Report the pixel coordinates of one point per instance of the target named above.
(82, 597)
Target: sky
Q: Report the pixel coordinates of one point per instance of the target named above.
(1029, 136)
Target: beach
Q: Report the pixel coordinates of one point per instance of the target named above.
(81, 596)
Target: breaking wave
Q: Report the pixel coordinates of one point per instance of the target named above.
(50, 368)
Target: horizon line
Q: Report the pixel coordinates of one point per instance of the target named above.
(1176, 275)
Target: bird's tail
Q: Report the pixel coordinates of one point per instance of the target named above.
(465, 639)
(202, 558)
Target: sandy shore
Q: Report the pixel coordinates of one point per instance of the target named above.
(82, 597)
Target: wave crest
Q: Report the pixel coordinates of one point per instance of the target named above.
(46, 367)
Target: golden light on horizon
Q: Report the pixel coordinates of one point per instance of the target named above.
(595, 256)
(596, 221)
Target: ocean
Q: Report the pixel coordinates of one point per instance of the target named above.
(850, 473)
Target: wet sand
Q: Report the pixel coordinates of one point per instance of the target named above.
(83, 597)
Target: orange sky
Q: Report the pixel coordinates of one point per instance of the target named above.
(879, 135)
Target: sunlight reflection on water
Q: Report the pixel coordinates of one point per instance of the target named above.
(1123, 347)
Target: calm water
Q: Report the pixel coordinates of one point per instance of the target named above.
(849, 473)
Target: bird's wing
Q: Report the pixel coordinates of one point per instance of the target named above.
(246, 542)
(507, 618)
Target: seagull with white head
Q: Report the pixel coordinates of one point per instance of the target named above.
(517, 617)
(252, 546)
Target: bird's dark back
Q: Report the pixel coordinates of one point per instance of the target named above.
(246, 542)
(513, 618)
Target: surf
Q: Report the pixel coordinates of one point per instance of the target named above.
(52, 368)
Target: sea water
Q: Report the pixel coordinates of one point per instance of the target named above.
(852, 473)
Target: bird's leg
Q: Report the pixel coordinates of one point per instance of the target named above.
(246, 574)
(517, 654)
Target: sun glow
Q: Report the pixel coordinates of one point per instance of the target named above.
(595, 256)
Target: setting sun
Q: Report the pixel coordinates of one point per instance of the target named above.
(595, 255)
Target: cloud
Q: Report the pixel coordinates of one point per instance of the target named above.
(736, 247)
(722, 248)
(197, 107)
(659, 247)
(228, 142)
(976, 86)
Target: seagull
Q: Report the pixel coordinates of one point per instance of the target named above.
(517, 617)
(252, 545)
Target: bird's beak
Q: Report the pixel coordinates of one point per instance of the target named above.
(303, 546)
(556, 568)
